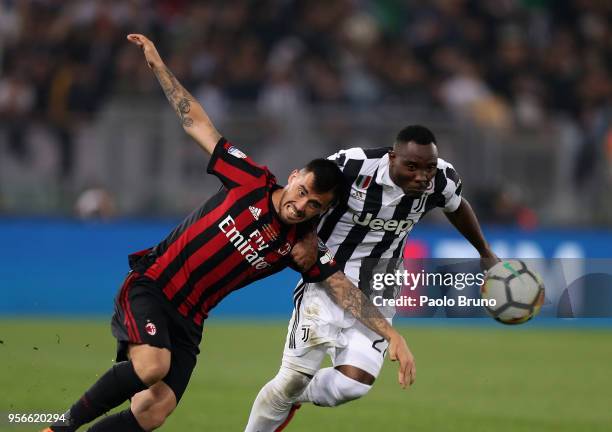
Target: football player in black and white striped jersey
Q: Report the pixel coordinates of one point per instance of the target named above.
(390, 191)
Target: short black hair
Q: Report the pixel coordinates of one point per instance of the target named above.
(417, 133)
(327, 178)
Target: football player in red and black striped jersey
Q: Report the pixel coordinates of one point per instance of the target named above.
(245, 232)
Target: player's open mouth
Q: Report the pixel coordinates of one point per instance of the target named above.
(293, 213)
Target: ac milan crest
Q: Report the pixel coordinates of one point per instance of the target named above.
(285, 249)
(150, 328)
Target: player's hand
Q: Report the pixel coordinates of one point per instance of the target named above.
(304, 252)
(398, 351)
(148, 48)
(488, 259)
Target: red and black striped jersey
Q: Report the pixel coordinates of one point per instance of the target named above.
(232, 240)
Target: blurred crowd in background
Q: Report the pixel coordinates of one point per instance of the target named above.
(501, 64)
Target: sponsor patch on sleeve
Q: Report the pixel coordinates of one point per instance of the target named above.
(236, 152)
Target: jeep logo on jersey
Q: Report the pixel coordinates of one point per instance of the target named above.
(377, 224)
(247, 246)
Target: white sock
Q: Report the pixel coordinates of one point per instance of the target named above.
(275, 400)
(330, 388)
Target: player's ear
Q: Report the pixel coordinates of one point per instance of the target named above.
(328, 204)
(293, 175)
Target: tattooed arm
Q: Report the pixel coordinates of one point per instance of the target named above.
(346, 295)
(193, 118)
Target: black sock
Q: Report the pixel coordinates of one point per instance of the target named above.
(113, 388)
(123, 421)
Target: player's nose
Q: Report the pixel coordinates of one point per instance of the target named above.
(420, 176)
(300, 205)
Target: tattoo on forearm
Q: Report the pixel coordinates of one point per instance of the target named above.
(351, 299)
(178, 97)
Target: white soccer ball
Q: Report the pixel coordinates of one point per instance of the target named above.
(517, 290)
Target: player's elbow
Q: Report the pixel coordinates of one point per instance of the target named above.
(204, 134)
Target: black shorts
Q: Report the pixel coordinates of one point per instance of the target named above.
(144, 316)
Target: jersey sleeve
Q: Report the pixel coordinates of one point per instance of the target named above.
(343, 156)
(324, 267)
(452, 189)
(339, 158)
(233, 167)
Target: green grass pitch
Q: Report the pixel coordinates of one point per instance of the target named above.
(469, 378)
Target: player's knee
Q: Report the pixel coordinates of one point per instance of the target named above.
(152, 407)
(150, 364)
(352, 391)
(343, 389)
(154, 420)
(151, 420)
(151, 373)
(289, 384)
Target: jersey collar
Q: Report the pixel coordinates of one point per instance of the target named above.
(383, 178)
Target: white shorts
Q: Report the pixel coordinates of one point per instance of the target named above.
(319, 327)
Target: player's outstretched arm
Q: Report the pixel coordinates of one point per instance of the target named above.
(350, 298)
(465, 221)
(194, 119)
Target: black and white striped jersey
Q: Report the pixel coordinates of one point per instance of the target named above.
(375, 221)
